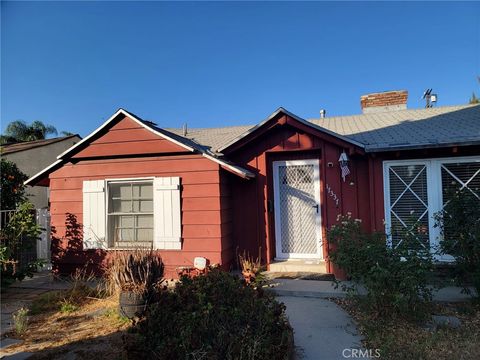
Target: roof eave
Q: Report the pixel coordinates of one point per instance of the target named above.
(420, 146)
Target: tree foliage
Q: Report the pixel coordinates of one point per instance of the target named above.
(12, 188)
(19, 130)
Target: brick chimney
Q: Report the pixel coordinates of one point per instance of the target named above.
(384, 101)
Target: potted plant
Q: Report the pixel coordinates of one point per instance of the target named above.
(136, 275)
(250, 267)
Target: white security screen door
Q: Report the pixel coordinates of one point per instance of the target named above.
(297, 209)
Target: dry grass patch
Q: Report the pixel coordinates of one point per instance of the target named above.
(401, 339)
(85, 329)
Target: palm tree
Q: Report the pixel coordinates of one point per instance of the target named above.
(19, 130)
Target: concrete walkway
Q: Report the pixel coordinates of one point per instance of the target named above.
(326, 289)
(322, 330)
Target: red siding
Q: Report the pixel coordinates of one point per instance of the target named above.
(128, 138)
(205, 229)
(253, 224)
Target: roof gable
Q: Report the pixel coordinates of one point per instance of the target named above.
(126, 137)
(279, 118)
(124, 120)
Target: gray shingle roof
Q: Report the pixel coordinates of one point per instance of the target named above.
(392, 130)
(414, 128)
(214, 138)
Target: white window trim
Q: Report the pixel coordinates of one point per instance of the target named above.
(434, 193)
(107, 231)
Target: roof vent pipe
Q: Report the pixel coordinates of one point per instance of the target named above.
(323, 113)
(184, 129)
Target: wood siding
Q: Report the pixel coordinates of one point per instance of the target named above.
(206, 218)
(126, 138)
(253, 215)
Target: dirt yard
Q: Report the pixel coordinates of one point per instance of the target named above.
(91, 330)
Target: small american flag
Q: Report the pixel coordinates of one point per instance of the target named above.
(343, 160)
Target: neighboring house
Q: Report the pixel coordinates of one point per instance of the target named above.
(33, 156)
(272, 189)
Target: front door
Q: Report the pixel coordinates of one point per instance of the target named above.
(296, 186)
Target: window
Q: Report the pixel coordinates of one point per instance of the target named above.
(409, 205)
(130, 213)
(417, 189)
(120, 213)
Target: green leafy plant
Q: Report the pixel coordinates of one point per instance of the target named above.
(395, 278)
(68, 307)
(11, 182)
(460, 225)
(17, 236)
(214, 316)
(20, 320)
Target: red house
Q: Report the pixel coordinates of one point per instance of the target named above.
(273, 188)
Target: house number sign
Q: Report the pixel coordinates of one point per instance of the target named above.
(332, 194)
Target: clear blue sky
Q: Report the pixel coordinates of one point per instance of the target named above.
(72, 64)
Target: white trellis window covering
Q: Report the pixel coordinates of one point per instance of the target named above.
(415, 190)
(125, 213)
(408, 205)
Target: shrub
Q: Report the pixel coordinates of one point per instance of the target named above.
(12, 187)
(214, 316)
(460, 225)
(395, 277)
(16, 237)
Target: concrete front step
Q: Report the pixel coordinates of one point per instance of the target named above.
(299, 265)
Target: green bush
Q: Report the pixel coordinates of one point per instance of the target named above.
(16, 237)
(11, 185)
(395, 278)
(214, 316)
(460, 225)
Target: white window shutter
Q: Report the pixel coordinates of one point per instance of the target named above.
(94, 215)
(167, 213)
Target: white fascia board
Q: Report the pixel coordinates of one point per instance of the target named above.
(134, 118)
(232, 168)
(37, 175)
